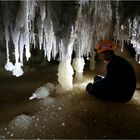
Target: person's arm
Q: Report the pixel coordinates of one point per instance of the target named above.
(97, 88)
(90, 85)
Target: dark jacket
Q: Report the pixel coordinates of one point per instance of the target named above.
(119, 83)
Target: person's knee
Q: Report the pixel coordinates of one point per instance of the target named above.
(89, 87)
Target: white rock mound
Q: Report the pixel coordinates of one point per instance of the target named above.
(43, 91)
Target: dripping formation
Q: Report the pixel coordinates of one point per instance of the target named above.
(61, 28)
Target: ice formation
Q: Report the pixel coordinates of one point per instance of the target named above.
(65, 74)
(21, 122)
(34, 24)
(43, 91)
(135, 35)
(9, 66)
(17, 70)
(78, 64)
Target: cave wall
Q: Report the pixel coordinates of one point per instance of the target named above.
(75, 25)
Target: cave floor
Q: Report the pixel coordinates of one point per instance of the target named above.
(63, 114)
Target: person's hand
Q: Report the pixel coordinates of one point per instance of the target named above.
(89, 87)
(98, 78)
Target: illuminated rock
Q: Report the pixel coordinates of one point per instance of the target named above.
(78, 64)
(65, 74)
(43, 92)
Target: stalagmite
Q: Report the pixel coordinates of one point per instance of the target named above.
(65, 74)
(78, 64)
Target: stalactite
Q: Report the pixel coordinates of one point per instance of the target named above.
(59, 28)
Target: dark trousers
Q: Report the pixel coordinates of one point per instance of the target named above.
(108, 93)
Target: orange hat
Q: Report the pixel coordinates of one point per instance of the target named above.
(105, 45)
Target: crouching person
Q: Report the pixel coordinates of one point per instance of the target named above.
(119, 83)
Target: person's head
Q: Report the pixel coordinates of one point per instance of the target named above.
(105, 50)
(106, 56)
